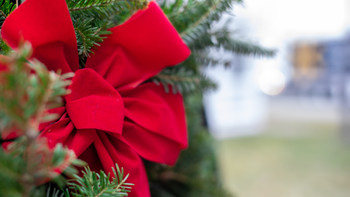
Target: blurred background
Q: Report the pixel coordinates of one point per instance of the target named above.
(282, 124)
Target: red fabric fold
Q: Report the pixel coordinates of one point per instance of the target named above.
(94, 103)
(47, 25)
(139, 49)
(92, 122)
(157, 117)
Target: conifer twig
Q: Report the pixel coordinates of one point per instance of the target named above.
(178, 78)
(3, 14)
(201, 19)
(86, 7)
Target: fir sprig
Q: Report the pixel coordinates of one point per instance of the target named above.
(188, 15)
(93, 18)
(103, 8)
(78, 5)
(194, 20)
(6, 7)
(10, 171)
(182, 80)
(99, 185)
(225, 39)
(207, 16)
(88, 35)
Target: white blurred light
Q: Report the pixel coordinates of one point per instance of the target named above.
(273, 21)
(271, 81)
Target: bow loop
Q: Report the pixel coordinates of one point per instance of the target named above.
(149, 37)
(139, 49)
(94, 104)
(154, 115)
(47, 25)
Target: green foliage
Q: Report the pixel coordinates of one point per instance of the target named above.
(195, 21)
(88, 36)
(27, 90)
(203, 179)
(188, 15)
(182, 80)
(4, 48)
(24, 95)
(99, 185)
(6, 7)
(93, 18)
(104, 10)
(53, 191)
(10, 171)
(224, 39)
(93, 184)
(195, 173)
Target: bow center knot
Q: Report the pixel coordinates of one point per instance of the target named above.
(94, 103)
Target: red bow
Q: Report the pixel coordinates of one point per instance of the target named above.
(111, 116)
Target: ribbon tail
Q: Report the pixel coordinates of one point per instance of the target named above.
(112, 150)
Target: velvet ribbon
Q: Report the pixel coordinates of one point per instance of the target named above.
(112, 115)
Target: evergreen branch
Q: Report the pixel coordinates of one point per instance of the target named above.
(3, 14)
(104, 11)
(52, 191)
(172, 8)
(93, 18)
(177, 78)
(80, 5)
(10, 171)
(205, 59)
(88, 35)
(181, 80)
(199, 18)
(225, 40)
(203, 18)
(247, 48)
(201, 41)
(99, 185)
(4, 48)
(194, 24)
(94, 4)
(6, 8)
(178, 7)
(100, 10)
(194, 13)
